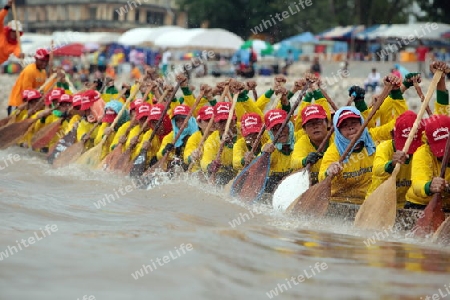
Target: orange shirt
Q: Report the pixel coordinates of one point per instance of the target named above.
(6, 48)
(135, 73)
(29, 78)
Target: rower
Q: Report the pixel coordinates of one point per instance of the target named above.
(426, 166)
(280, 158)
(87, 118)
(315, 124)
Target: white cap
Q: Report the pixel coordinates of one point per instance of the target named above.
(12, 25)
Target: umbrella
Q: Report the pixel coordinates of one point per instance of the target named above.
(259, 46)
(70, 50)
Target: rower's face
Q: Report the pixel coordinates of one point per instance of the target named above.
(350, 127)
(220, 126)
(250, 139)
(41, 63)
(160, 129)
(316, 129)
(132, 114)
(64, 106)
(179, 121)
(284, 137)
(203, 124)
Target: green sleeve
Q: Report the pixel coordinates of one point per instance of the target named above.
(396, 94)
(427, 188)
(442, 97)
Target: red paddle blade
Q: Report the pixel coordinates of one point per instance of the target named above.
(249, 185)
(432, 218)
(46, 136)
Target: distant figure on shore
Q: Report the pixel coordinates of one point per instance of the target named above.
(421, 53)
(8, 39)
(316, 69)
(166, 56)
(373, 80)
(135, 73)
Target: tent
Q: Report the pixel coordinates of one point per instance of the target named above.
(305, 37)
(75, 49)
(342, 32)
(200, 38)
(425, 31)
(144, 36)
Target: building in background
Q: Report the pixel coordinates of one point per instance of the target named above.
(46, 16)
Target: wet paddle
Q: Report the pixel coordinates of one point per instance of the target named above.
(45, 135)
(250, 184)
(62, 145)
(442, 234)
(92, 157)
(316, 199)
(296, 183)
(379, 210)
(433, 215)
(202, 142)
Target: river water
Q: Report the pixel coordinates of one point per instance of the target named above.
(185, 240)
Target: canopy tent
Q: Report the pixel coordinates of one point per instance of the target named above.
(32, 41)
(372, 32)
(260, 47)
(69, 37)
(305, 37)
(425, 31)
(144, 36)
(75, 49)
(341, 33)
(196, 38)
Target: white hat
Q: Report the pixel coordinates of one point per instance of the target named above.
(12, 25)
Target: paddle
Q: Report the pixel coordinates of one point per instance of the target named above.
(62, 145)
(73, 152)
(316, 199)
(249, 185)
(332, 104)
(92, 156)
(202, 141)
(296, 183)
(442, 234)
(162, 162)
(422, 97)
(224, 137)
(379, 210)
(45, 135)
(433, 215)
(139, 164)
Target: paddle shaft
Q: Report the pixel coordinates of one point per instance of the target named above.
(422, 97)
(202, 141)
(258, 140)
(332, 104)
(322, 145)
(17, 29)
(227, 127)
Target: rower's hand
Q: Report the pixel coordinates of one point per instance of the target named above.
(312, 158)
(399, 157)
(123, 139)
(169, 147)
(248, 157)
(108, 131)
(196, 155)
(269, 148)
(134, 140)
(438, 185)
(214, 166)
(334, 169)
(438, 65)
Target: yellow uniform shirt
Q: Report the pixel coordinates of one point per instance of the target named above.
(210, 150)
(425, 167)
(380, 173)
(30, 78)
(191, 145)
(152, 150)
(98, 138)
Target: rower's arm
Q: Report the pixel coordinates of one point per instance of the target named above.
(210, 149)
(3, 14)
(422, 172)
(191, 145)
(239, 150)
(330, 156)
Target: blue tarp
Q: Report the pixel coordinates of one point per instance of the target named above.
(305, 37)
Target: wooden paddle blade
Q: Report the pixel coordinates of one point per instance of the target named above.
(92, 157)
(5, 121)
(12, 133)
(122, 162)
(70, 155)
(379, 209)
(431, 219)
(62, 145)
(442, 234)
(314, 201)
(249, 185)
(111, 158)
(139, 164)
(45, 135)
(292, 187)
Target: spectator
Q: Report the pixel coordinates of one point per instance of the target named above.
(133, 57)
(135, 72)
(166, 56)
(373, 80)
(395, 71)
(316, 69)
(421, 53)
(102, 60)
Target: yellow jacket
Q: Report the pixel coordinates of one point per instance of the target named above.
(152, 150)
(382, 170)
(441, 106)
(210, 150)
(240, 148)
(191, 145)
(121, 131)
(98, 138)
(425, 167)
(84, 127)
(302, 148)
(351, 184)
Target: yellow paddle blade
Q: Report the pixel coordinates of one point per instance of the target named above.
(379, 209)
(92, 157)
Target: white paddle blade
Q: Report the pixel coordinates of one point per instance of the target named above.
(290, 189)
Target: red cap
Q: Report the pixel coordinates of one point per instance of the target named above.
(346, 114)
(181, 110)
(109, 116)
(205, 113)
(65, 98)
(437, 131)
(42, 54)
(312, 112)
(86, 103)
(274, 117)
(221, 111)
(92, 95)
(56, 93)
(143, 111)
(156, 112)
(76, 100)
(403, 126)
(25, 94)
(33, 94)
(136, 103)
(251, 123)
